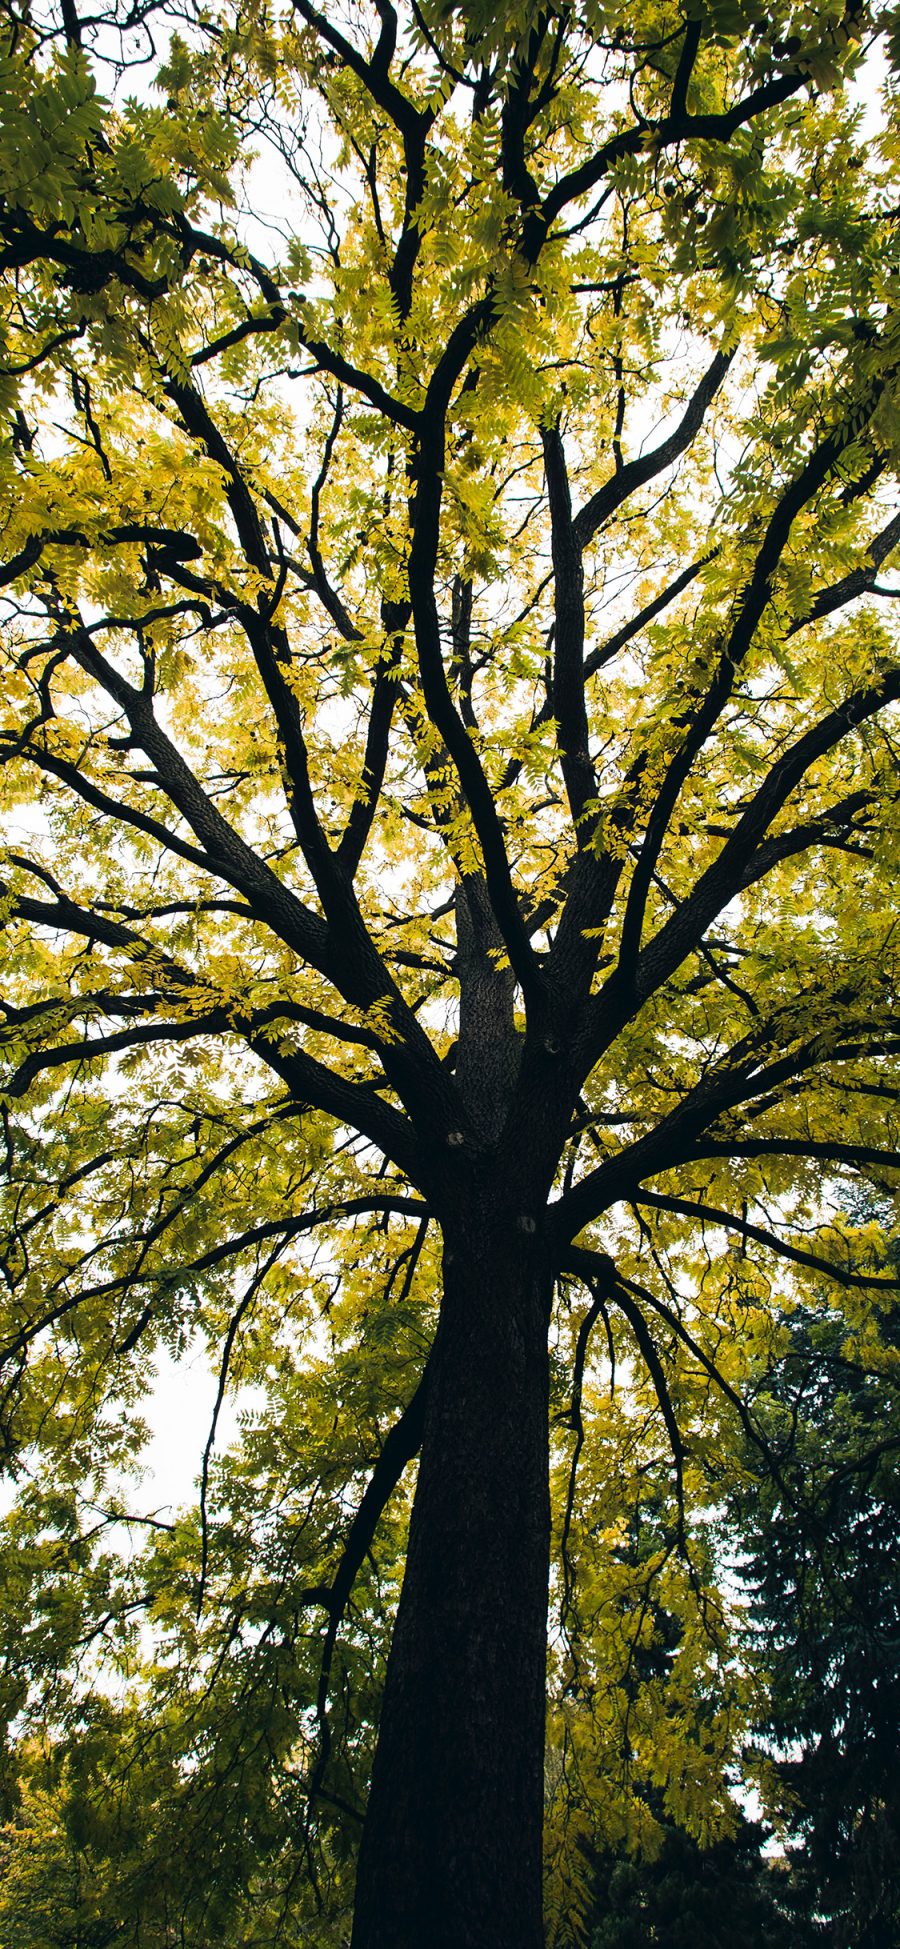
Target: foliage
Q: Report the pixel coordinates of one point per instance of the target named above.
(448, 751)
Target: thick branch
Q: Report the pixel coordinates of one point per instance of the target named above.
(442, 710)
(568, 676)
(744, 1076)
(373, 74)
(285, 1229)
(229, 856)
(809, 1149)
(385, 690)
(92, 1048)
(310, 1081)
(112, 808)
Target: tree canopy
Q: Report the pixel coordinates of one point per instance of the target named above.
(450, 788)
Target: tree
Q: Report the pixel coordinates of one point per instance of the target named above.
(686, 1894)
(820, 1550)
(452, 809)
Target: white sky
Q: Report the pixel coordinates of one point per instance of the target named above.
(179, 1413)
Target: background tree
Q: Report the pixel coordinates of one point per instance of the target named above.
(727, 1893)
(820, 1559)
(452, 819)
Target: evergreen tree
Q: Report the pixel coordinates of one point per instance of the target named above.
(823, 1568)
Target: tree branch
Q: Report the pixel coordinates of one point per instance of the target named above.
(442, 710)
(710, 1214)
(702, 720)
(605, 652)
(732, 869)
(636, 473)
(569, 673)
(860, 581)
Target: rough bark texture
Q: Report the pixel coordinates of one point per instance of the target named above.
(451, 1850)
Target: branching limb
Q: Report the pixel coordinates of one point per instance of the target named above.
(808, 1148)
(328, 596)
(604, 653)
(733, 868)
(442, 710)
(402, 1442)
(860, 581)
(601, 1287)
(284, 1230)
(711, 1215)
(385, 690)
(309, 1080)
(74, 776)
(94, 1048)
(751, 607)
(234, 1325)
(636, 473)
(749, 1073)
(579, 182)
(583, 1262)
(228, 854)
(599, 1273)
(373, 73)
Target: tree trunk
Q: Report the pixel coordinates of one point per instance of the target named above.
(451, 1848)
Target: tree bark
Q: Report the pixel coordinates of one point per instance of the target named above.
(451, 1847)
